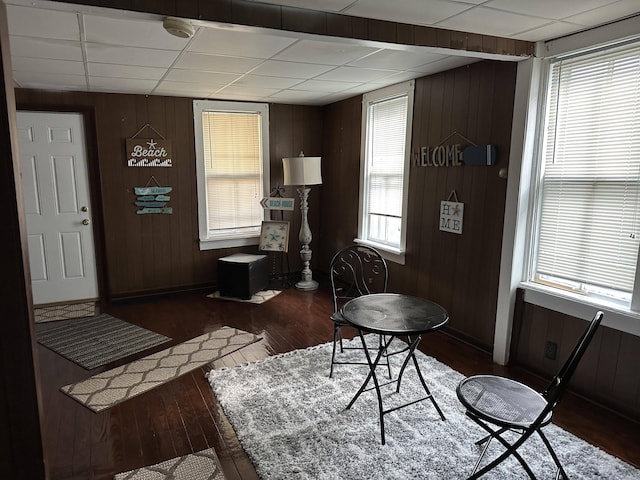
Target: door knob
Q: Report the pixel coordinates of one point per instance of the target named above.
(86, 221)
(83, 209)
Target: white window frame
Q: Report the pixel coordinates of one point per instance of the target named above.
(389, 252)
(207, 240)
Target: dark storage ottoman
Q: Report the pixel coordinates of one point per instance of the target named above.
(241, 275)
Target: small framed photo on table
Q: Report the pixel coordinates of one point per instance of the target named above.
(274, 236)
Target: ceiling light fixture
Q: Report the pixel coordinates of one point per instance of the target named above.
(178, 27)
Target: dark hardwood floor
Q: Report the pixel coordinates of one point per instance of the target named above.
(183, 416)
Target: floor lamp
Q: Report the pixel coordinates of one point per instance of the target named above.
(303, 171)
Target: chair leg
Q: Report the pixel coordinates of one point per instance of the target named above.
(336, 331)
(511, 449)
(561, 471)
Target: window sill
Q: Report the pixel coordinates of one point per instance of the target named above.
(615, 316)
(388, 253)
(227, 242)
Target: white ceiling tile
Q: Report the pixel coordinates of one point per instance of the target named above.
(239, 43)
(213, 78)
(125, 71)
(553, 9)
(392, 80)
(407, 11)
(217, 63)
(276, 68)
(131, 85)
(602, 15)
(502, 24)
(59, 81)
(446, 63)
(353, 74)
(47, 66)
(295, 96)
(147, 57)
(395, 59)
(325, 53)
(132, 33)
(183, 89)
(553, 29)
(252, 91)
(266, 82)
(325, 86)
(43, 23)
(45, 48)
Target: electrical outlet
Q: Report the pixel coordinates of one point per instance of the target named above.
(550, 350)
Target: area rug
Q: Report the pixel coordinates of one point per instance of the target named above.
(290, 418)
(202, 465)
(52, 313)
(111, 387)
(260, 297)
(95, 341)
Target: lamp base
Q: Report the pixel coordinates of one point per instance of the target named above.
(307, 285)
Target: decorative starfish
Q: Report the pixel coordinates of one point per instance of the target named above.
(151, 144)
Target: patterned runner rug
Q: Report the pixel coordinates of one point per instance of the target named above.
(95, 341)
(202, 465)
(65, 311)
(108, 388)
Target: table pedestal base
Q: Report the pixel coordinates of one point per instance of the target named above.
(383, 350)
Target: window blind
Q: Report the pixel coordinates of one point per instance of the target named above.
(233, 169)
(588, 234)
(387, 124)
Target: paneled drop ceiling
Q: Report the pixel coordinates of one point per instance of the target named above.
(58, 46)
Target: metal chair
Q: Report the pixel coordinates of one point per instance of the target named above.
(500, 404)
(355, 270)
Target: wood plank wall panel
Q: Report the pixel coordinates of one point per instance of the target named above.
(295, 129)
(341, 171)
(21, 446)
(147, 254)
(458, 271)
(608, 373)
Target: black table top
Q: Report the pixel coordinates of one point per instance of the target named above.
(394, 314)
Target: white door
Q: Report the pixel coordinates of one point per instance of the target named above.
(55, 185)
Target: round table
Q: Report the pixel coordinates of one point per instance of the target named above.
(393, 315)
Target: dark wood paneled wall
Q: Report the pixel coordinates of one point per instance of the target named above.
(146, 254)
(608, 372)
(458, 271)
(21, 450)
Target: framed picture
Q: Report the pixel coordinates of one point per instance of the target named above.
(274, 236)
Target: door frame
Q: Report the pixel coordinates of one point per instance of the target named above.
(95, 183)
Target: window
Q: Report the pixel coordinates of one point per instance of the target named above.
(586, 229)
(232, 168)
(386, 124)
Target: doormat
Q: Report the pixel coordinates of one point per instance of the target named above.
(95, 341)
(64, 311)
(202, 465)
(111, 387)
(260, 297)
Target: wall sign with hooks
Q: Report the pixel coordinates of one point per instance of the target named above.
(455, 155)
(149, 152)
(451, 214)
(153, 199)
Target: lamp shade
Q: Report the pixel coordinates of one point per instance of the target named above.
(302, 171)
